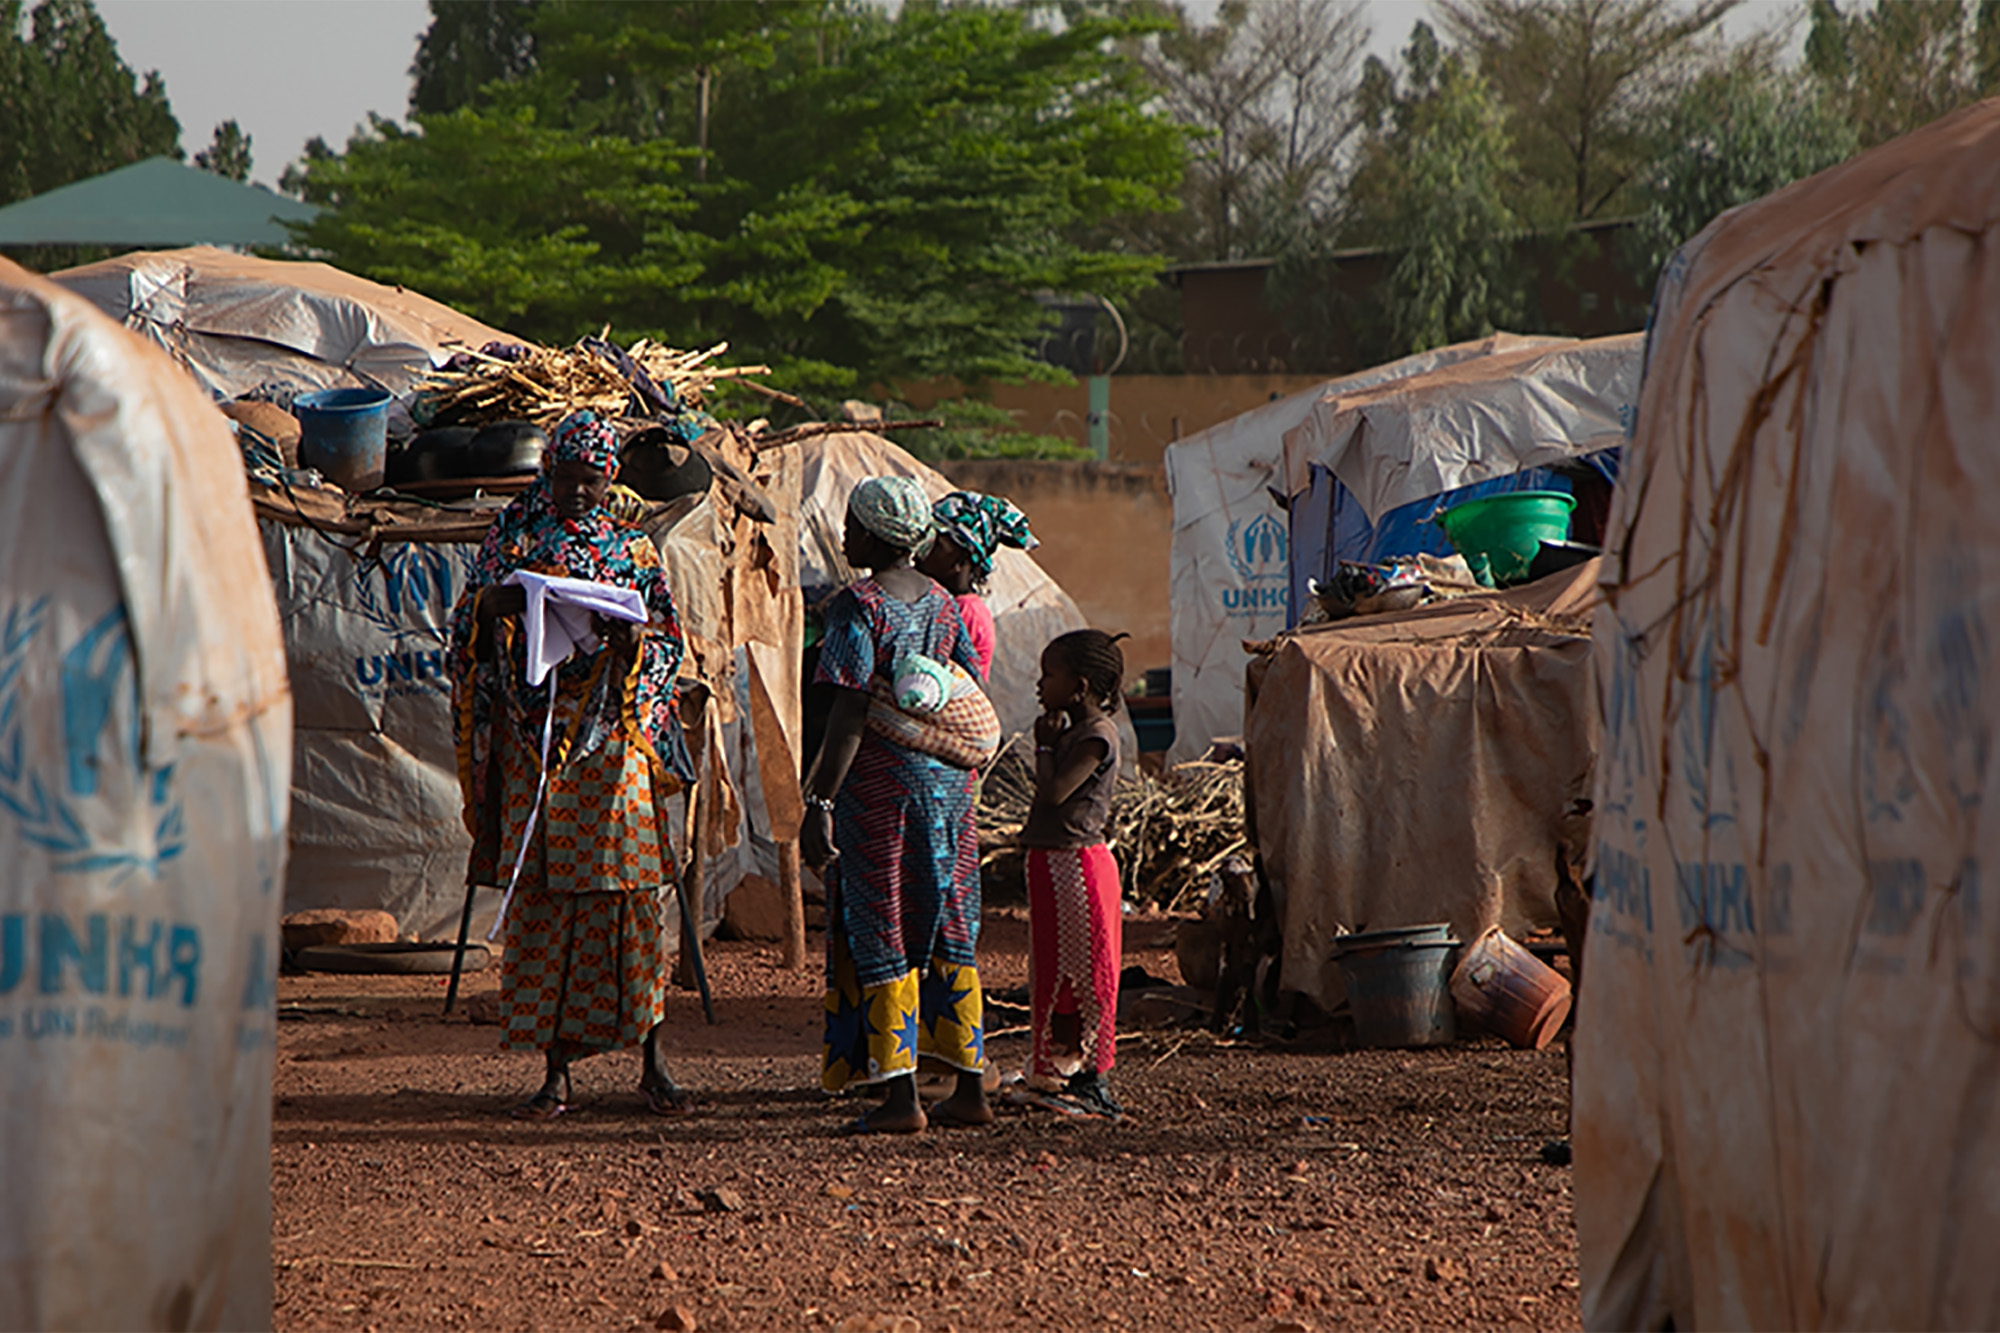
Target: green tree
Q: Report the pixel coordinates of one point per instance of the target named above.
(228, 154)
(1585, 84)
(1897, 66)
(1432, 182)
(883, 195)
(1735, 136)
(70, 107)
(469, 45)
(546, 232)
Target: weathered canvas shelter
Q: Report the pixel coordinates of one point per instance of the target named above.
(236, 321)
(1786, 1063)
(1405, 769)
(155, 202)
(1367, 468)
(1230, 569)
(145, 735)
(367, 589)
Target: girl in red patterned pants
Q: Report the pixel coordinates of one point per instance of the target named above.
(1074, 904)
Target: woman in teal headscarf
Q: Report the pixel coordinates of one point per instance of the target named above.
(891, 830)
(971, 530)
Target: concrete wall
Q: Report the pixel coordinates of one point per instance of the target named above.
(1148, 412)
(1106, 532)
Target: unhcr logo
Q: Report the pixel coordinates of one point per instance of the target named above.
(1257, 547)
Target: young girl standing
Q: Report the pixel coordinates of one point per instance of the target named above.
(1074, 920)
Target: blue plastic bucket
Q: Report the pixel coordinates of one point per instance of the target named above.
(344, 433)
(1398, 985)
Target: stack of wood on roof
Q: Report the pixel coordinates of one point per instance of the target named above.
(550, 382)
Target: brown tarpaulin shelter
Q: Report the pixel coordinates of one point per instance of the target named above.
(1788, 1060)
(1411, 768)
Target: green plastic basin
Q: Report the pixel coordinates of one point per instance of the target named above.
(1508, 529)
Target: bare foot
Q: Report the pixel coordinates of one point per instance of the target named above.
(890, 1119)
(960, 1109)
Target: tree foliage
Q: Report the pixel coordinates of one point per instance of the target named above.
(1267, 90)
(1584, 83)
(877, 197)
(228, 153)
(469, 45)
(1734, 137)
(70, 107)
(1897, 66)
(540, 230)
(1434, 164)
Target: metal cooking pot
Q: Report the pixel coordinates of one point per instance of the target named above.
(506, 448)
(434, 455)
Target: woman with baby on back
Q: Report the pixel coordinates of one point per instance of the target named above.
(889, 826)
(1074, 904)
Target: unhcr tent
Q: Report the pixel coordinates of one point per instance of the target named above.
(236, 322)
(1367, 468)
(1788, 1055)
(145, 738)
(155, 202)
(367, 588)
(1230, 570)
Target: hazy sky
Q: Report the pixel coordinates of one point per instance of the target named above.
(289, 69)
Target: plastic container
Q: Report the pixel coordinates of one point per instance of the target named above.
(1508, 529)
(344, 433)
(1397, 985)
(1508, 991)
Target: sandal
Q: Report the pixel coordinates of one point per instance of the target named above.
(1091, 1094)
(545, 1104)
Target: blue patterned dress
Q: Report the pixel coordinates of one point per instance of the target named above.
(903, 894)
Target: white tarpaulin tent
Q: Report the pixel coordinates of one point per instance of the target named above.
(1229, 572)
(145, 746)
(1421, 435)
(236, 322)
(1788, 1056)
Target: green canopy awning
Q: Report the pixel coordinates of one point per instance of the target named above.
(155, 202)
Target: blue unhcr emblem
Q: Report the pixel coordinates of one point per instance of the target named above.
(1257, 547)
(94, 671)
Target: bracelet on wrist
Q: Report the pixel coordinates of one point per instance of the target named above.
(818, 802)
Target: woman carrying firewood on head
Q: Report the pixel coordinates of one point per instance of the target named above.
(1075, 926)
(971, 529)
(566, 784)
(889, 821)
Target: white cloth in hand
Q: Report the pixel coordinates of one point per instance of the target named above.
(558, 616)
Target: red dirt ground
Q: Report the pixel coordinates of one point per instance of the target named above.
(1253, 1187)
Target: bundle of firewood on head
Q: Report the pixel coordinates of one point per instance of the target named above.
(513, 382)
(1169, 833)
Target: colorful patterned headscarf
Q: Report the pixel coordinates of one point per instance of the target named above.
(981, 525)
(896, 510)
(581, 438)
